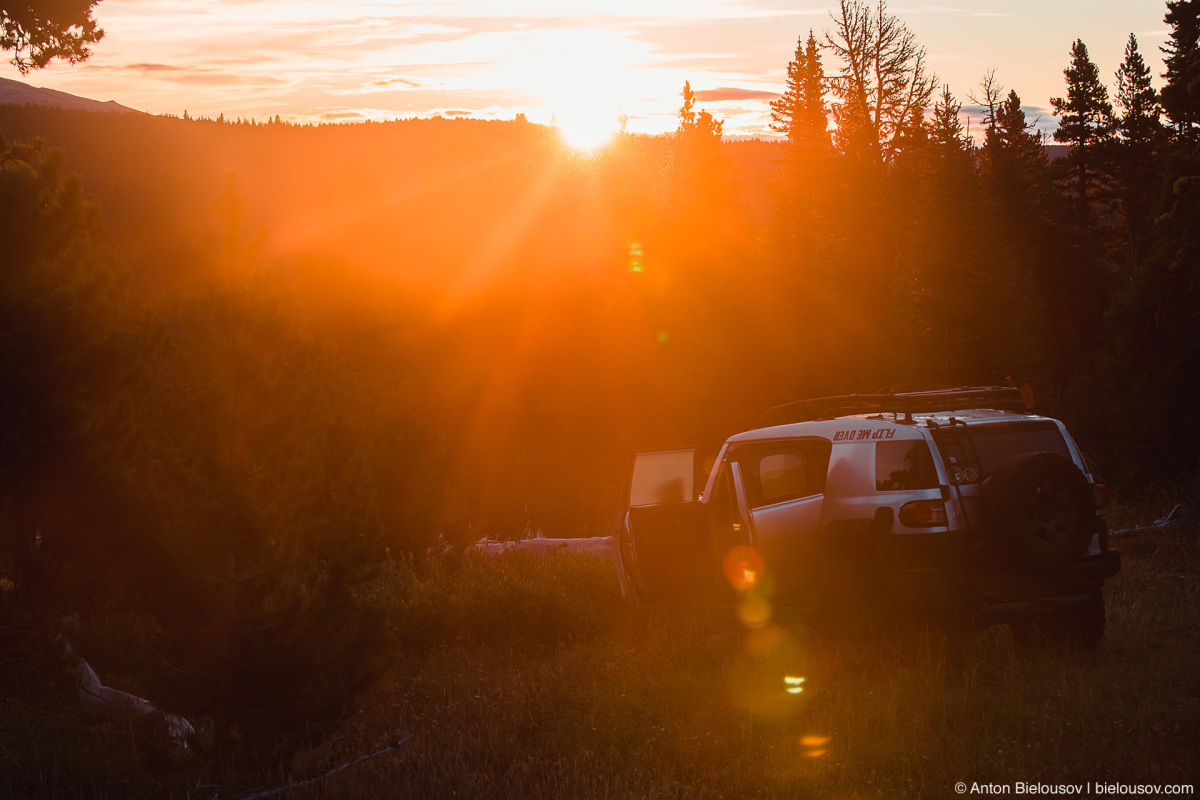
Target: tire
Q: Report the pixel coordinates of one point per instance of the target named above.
(1079, 626)
(1039, 510)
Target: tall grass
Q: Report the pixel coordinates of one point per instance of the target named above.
(521, 677)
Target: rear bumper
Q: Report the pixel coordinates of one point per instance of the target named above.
(957, 570)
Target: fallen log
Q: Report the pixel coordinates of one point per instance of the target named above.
(596, 545)
(1178, 517)
(115, 704)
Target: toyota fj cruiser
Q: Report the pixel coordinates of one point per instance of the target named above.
(953, 505)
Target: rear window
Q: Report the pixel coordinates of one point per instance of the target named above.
(995, 444)
(903, 466)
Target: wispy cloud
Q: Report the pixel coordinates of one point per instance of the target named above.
(729, 93)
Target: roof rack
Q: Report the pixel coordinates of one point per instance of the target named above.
(1004, 398)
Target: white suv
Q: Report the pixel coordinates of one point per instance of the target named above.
(955, 506)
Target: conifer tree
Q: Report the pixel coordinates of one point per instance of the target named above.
(698, 191)
(1181, 95)
(1013, 168)
(1140, 135)
(1085, 123)
(946, 131)
(1018, 159)
(698, 167)
(1140, 121)
(801, 113)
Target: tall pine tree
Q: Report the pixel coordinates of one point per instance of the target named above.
(801, 113)
(1181, 95)
(1085, 123)
(1140, 137)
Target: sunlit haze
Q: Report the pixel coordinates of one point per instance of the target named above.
(582, 66)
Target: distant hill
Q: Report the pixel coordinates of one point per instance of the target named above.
(1057, 151)
(20, 94)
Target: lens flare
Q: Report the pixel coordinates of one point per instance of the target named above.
(743, 567)
(635, 256)
(754, 612)
(793, 685)
(814, 746)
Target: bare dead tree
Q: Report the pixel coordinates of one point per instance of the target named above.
(883, 82)
(991, 90)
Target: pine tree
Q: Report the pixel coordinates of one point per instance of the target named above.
(1020, 156)
(698, 190)
(1181, 95)
(1141, 121)
(1140, 135)
(801, 113)
(946, 131)
(1085, 123)
(693, 123)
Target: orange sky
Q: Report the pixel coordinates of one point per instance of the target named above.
(580, 63)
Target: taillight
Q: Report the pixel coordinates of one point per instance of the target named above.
(1102, 495)
(923, 513)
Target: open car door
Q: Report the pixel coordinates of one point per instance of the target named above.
(663, 547)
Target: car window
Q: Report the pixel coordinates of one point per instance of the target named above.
(997, 443)
(903, 466)
(660, 478)
(783, 475)
(779, 472)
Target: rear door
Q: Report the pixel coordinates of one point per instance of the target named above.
(664, 546)
(783, 488)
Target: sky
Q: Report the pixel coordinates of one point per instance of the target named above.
(581, 65)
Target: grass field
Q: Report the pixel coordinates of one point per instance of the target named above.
(523, 678)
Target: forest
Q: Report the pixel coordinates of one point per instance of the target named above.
(253, 371)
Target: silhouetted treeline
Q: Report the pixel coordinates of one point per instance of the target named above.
(288, 352)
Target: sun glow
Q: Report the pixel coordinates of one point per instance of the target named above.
(586, 129)
(585, 78)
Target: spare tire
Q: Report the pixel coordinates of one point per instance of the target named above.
(1039, 509)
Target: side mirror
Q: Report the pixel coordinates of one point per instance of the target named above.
(882, 522)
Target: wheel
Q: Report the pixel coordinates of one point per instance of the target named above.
(1079, 626)
(1039, 507)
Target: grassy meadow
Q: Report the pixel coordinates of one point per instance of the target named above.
(522, 677)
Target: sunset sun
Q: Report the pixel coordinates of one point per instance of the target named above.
(586, 129)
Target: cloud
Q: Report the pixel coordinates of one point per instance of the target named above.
(341, 116)
(394, 81)
(155, 67)
(731, 93)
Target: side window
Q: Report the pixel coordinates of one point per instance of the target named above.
(663, 477)
(783, 471)
(904, 465)
(783, 476)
